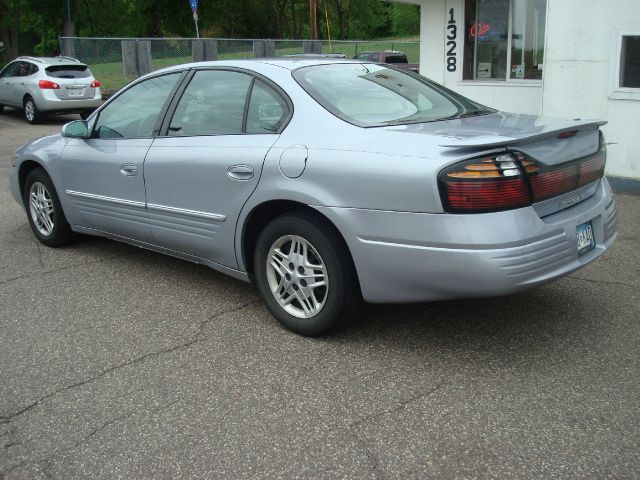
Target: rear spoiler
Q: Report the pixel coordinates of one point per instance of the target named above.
(490, 141)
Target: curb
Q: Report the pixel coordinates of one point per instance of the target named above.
(624, 185)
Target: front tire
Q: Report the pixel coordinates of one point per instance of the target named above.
(44, 210)
(31, 112)
(305, 274)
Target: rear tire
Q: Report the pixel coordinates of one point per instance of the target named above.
(305, 274)
(31, 112)
(44, 211)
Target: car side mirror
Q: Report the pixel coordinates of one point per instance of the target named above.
(76, 129)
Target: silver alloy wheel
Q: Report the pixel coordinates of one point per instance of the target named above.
(41, 209)
(297, 276)
(30, 110)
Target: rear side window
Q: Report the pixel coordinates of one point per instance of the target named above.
(27, 69)
(212, 104)
(267, 110)
(68, 71)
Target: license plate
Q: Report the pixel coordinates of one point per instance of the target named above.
(75, 92)
(584, 235)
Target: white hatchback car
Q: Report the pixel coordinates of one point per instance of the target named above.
(39, 86)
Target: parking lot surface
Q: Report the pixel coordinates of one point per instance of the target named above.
(116, 362)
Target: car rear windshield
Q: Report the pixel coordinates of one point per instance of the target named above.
(68, 71)
(369, 95)
(396, 59)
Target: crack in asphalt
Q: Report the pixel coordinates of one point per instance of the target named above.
(372, 457)
(124, 417)
(58, 269)
(609, 282)
(350, 429)
(400, 406)
(49, 459)
(194, 339)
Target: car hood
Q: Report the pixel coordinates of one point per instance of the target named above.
(43, 142)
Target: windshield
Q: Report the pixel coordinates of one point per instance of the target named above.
(396, 59)
(371, 95)
(68, 71)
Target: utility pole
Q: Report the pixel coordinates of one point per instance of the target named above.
(313, 20)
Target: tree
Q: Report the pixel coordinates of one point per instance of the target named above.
(9, 27)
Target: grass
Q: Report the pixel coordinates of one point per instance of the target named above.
(112, 76)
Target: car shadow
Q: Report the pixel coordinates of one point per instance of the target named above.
(534, 322)
(17, 117)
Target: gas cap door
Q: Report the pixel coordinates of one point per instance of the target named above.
(293, 161)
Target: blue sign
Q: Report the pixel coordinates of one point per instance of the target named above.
(194, 5)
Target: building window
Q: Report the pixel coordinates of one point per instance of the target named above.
(630, 62)
(504, 39)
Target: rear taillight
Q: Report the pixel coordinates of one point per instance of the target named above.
(547, 182)
(95, 84)
(48, 85)
(513, 180)
(486, 184)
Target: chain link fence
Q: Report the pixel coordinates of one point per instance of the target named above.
(117, 61)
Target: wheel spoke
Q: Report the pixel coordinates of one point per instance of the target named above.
(319, 283)
(286, 301)
(278, 266)
(48, 222)
(304, 303)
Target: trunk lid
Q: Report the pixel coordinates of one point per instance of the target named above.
(561, 160)
(74, 80)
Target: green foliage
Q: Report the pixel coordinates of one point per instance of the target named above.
(405, 19)
(39, 23)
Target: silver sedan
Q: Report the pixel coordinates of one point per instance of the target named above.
(326, 182)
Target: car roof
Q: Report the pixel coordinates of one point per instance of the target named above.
(397, 52)
(48, 61)
(288, 63)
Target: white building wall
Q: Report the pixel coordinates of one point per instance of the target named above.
(520, 96)
(579, 76)
(581, 73)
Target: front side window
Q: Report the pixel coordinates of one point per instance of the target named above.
(11, 70)
(370, 95)
(212, 104)
(134, 113)
(630, 62)
(504, 39)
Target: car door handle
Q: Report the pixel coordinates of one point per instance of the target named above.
(240, 172)
(129, 169)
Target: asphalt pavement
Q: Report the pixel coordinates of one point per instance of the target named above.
(116, 362)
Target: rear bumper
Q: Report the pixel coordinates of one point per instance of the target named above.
(413, 257)
(48, 102)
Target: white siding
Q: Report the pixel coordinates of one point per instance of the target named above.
(580, 70)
